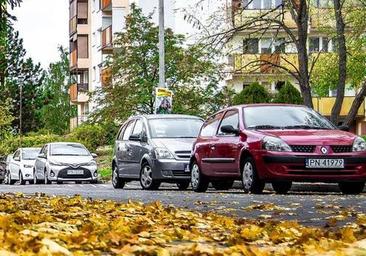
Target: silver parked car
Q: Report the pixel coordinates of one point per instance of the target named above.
(59, 162)
(21, 165)
(155, 149)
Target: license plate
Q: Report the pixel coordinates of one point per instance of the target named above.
(75, 172)
(325, 163)
(186, 168)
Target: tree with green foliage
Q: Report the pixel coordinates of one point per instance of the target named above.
(22, 72)
(5, 119)
(56, 112)
(288, 94)
(191, 72)
(254, 93)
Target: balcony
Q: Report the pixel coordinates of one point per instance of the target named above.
(324, 106)
(107, 39)
(106, 77)
(106, 5)
(73, 25)
(78, 93)
(73, 59)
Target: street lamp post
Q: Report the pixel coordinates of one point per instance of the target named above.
(161, 45)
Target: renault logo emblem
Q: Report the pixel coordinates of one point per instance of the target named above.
(324, 150)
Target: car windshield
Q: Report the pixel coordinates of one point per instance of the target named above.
(69, 150)
(30, 154)
(284, 117)
(175, 127)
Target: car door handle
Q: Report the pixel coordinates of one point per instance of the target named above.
(213, 147)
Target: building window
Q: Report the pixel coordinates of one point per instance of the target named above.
(83, 47)
(279, 85)
(261, 4)
(314, 44)
(279, 45)
(250, 46)
(323, 3)
(325, 44)
(266, 4)
(266, 45)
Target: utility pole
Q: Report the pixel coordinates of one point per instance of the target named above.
(161, 45)
(21, 115)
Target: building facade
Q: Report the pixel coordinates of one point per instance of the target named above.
(93, 24)
(251, 50)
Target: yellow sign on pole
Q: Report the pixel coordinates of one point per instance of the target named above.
(163, 101)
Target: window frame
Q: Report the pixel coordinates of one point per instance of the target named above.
(132, 123)
(221, 121)
(213, 117)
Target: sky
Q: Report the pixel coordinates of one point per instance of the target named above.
(43, 25)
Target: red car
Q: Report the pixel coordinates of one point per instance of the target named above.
(279, 144)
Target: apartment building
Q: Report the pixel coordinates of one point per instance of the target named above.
(250, 52)
(93, 24)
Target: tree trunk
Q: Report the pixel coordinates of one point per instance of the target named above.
(302, 19)
(342, 59)
(356, 104)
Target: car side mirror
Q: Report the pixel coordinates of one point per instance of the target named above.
(144, 137)
(343, 128)
(17, 159)
(94, 155)
(135, 137)
(229, 129)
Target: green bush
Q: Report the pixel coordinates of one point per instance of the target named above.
(254, 93)
(288, 94)
(92, 136)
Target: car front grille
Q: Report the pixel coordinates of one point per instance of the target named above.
(183, 154)
(303, 148)
(342, 148)
(180, 173)
(63, 174)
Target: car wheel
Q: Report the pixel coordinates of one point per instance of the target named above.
(35, 179)
(117, 182)
(1, 181)
(21, 179)
(198, 180)
(250, 179)
(351, 188)
(11, 182)
(46, 180)
(146, 178)
(223, 185)
(281, 187)
(183, 185)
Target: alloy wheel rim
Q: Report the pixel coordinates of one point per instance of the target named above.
(195, 176)
(248, 175)
(146, 176)
(115, 176)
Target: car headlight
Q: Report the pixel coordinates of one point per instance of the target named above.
(92, 163)
(163, 153)
(275, 144)
(359, 144)
(28, 166)
(54, 163)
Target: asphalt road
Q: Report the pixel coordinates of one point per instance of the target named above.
(310, 204)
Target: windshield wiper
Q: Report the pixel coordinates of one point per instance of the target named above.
(266, 126)
(305, 126)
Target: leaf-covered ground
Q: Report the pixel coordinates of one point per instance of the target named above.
(40, 225)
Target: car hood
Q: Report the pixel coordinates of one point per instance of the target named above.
(313, 137)
(173, 145)
(28, 162)
(71, 159)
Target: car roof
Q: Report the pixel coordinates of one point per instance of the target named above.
(64, 143)
(270, 105)
(166, 116)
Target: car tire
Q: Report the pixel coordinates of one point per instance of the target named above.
(146, 178)
(10, 181)
(35, 180)
(183, 185)
(250, 179)
(223, 185)
(21, 179)
(281, 187)
(117, 182)
(199, 181)
(46, 180)
(1, 181)
(351, 188)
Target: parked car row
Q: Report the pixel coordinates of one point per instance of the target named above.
(54, 162)
(257, 144)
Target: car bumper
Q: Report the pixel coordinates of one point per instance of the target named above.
(63, 174)
(170, 170)
(27, 173)
(291, 167)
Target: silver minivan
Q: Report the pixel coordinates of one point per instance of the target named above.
(155, 149)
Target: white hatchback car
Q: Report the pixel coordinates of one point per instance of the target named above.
(65, 161)
(20, 166)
